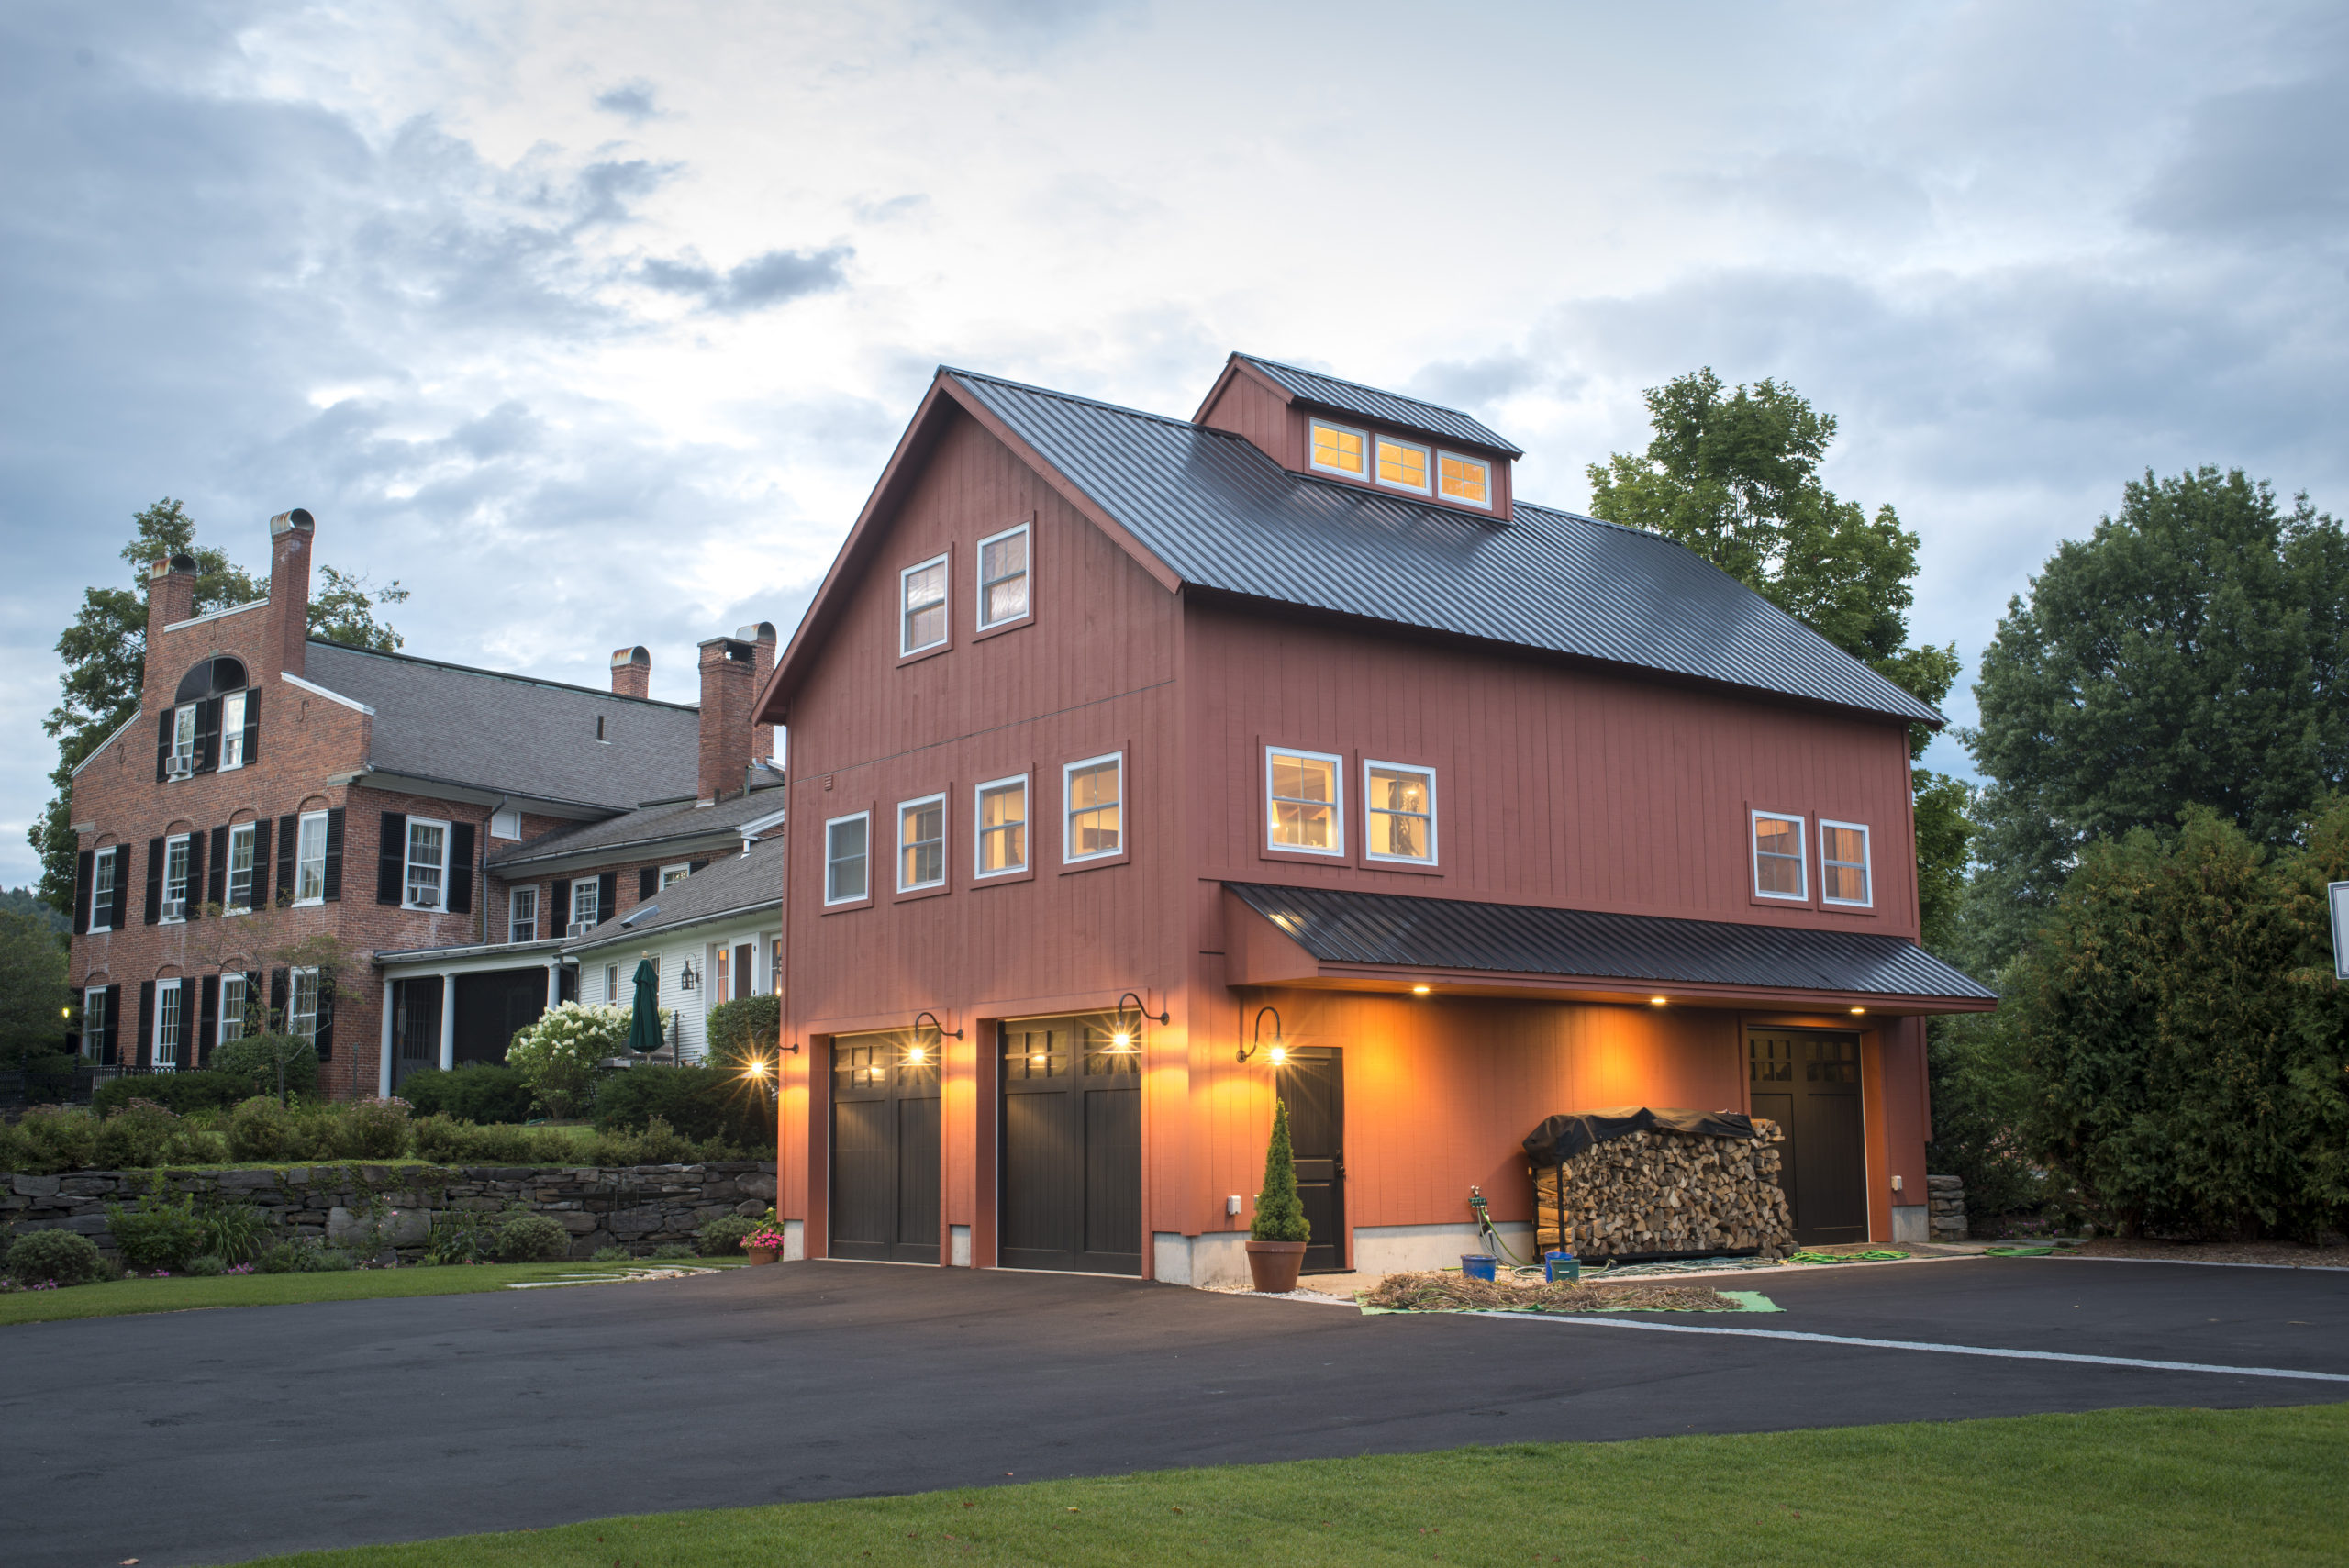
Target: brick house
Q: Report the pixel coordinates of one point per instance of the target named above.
(276, 788)
(1146, 767)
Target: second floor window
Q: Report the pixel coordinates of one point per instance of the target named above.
(232, 1007)
(428, 862)
(1095, 790)
(1003, 827)
(240, 868)
(921, 843)
(1843, 863)
(1399, 804)
(310, 858)
(1303, 810)
(1466, 479)
(1402, 465)
(922, 618)
(1337, 450)
(846, 842)
(522, 914)
(1003, 577)
(175, 867)
(232, 731)
(1778, 857)
(183, 739)
(586, 902)
(105, 868)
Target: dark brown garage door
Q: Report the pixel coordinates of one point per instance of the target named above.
(885, 1150)
(1808, 1081)
(1071, 1148)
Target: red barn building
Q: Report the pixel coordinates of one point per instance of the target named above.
(1126, 748)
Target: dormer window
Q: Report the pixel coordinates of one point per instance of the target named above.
(1337, 450)
(1402, 465)
(1467, 480)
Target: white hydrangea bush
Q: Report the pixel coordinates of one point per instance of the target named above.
(559, 1053)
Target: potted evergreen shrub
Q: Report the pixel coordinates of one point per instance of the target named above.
(1276, 1241)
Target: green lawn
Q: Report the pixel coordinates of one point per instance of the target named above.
(187, 1294)
(2241, 1487)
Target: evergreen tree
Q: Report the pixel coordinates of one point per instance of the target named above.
(1280, 1213)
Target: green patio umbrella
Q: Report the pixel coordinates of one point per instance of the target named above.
(644, 1028)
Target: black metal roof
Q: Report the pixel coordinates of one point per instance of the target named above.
(1223, 515)
(1388, 407)
(1416, 934)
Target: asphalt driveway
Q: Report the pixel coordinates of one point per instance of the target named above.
(213, 1437)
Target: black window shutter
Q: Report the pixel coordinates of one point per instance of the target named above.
(260, 863)
(82, 872)
(558, 908)
(334, 855)
(324, 1041)
(121, 853)
(194, 910)
(391, 857)
(164, 744)
(648, 882)
(608, 894)
(146, 1024)
(112, 1033)
(207, 1026)
(154, 880)
(218, 892)
(460, 874)
(208, 735)
(278, 1022)
(289, 830)
(693, 866)
(252, 725)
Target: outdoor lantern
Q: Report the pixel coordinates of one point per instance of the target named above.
(917, 1053)
(1124, 1038)
(687, 979)
(1279, 1052)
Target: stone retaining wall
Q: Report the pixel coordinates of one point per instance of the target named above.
(638, 1208)
(1946, 1194)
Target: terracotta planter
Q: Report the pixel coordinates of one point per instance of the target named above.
(1274, 1264)
(763, 1254)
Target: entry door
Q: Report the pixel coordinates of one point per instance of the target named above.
(1071, 1148)
(885, 1150)
(1808, 1081)
(415, 1027)
(1312, 1083)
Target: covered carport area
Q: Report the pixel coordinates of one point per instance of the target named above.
(446, 1006)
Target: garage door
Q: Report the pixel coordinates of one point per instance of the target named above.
(1808, 1081)
(1071, 1148)
(885, 1150)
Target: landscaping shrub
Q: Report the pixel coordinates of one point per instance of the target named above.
(139, 1135)
(261, 1129)
(372, 1130)
(304, 1255)
(236, 1232)
(53, 1139)
(463, 1236)
(447, 1141)
(658, 1144)
(65, 1257)
(205, 1265)
(701, 1103)
(559, 1053)
(610, 1255)
(254, 1062)
(742, 1029)
(158, 1232)
(722, 1237)
(180, 1092)
(479, 1092)
(532, 1238)
(673, 1250)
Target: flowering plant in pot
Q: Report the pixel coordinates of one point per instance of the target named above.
(1276, 1241)
(764, 1244)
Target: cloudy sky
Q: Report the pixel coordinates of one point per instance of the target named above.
(593, 324)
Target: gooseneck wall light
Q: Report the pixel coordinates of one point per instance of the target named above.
(1126, 1038)
(918, 1054)
(1278, 1054)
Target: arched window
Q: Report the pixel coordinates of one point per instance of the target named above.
(211, 678)
(213, 721)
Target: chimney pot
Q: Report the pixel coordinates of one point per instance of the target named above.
(632, 672)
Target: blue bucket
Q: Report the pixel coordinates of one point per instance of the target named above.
(1556, 1266)
(1478, 1265)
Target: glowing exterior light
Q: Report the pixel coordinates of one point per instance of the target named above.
(1420, 990)
(914, 1055)
(1857, 1011)
(1656, 1001)
(757, 1069)
(1279, 1054)
(1121, 1041)
(1257, 1038)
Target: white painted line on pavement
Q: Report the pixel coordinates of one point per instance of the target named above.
(1923, 1345)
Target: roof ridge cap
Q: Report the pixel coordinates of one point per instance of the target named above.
(1090, 401)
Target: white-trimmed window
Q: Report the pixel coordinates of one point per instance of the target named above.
(1336, 448)
(232, 1007)
(232, 731)
(522, 914)
(1843, 865)
(1468, 480)
(95, 1021)
(1304, 805)
(506, 824)
(1398, 812)
(1095, 794)
(848, 856)
(586, 902)
(921, 601)
(242, 874)
(611, 982)
(106, 869)
(921, 843)
(1778, 857)
(310, 858)
(670, 875)
(1003, 577)
(170, 1022)
(182, 761)
(428, 864)
(302, 1011)
(1002, 827)
(176, 850)
(1402, 465)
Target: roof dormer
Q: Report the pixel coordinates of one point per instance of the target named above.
(1341, 430)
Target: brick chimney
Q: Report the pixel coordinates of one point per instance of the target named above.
(289, 588)
(632, 672)
(761, 637)
(728, 665)
(171, 598)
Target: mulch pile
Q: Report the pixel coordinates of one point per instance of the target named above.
(1441, 1292)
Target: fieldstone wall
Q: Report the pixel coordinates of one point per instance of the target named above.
(638, 1208)
(1946, 1197)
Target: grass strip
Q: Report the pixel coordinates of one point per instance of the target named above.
(2245, 1487)
(187, 1293)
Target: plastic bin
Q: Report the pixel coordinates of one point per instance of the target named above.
(1556, 1266)
(1478, 1265)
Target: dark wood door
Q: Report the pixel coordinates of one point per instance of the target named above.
(885, 1199)
(415, 1027)
(1312, 1083)
(1071, 1177)
(1808, 1081)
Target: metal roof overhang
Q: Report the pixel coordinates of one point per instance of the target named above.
(1327, 940)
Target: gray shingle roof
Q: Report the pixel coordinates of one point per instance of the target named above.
(662, 822)
(1339, 926)
(1224, 515)
(734, 885)
(509, 732)
(1388, 407)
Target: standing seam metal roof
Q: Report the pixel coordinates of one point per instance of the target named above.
(1225, 515)
(1390, 408)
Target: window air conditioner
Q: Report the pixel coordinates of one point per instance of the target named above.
(179, 766)
(175, 908)
(424, 897)
(579, 928)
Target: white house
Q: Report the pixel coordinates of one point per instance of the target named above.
(713, 937)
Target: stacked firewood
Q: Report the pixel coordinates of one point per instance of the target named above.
(1668, 1193)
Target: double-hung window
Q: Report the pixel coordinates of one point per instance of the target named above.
(1337, 450)
(182, 761)
(1844, 864)
(1094, 791)
(586, 902)
(611, 982)
(1002, 827)
(232, 1007)
(1304, 800)
(1778, 857)
(921, 620)
(242, 871)
(921, 843)
(232, 731)
(1398, 812)
(310, 858)
(427, 863)
(302, 1016)
(106, 867)
(522, 914)
(677, 873)
(848, 842)
(1464, 479)
(1003, 577)
(95, 1021)
(1402, 465)
(176, 851)
(171, 1021)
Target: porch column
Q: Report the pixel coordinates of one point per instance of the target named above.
(448, 1022)
(554, 983)
(383, 1066)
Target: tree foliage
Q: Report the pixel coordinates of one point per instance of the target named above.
(104, 653)
(1280, 1213)
(33, 997)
